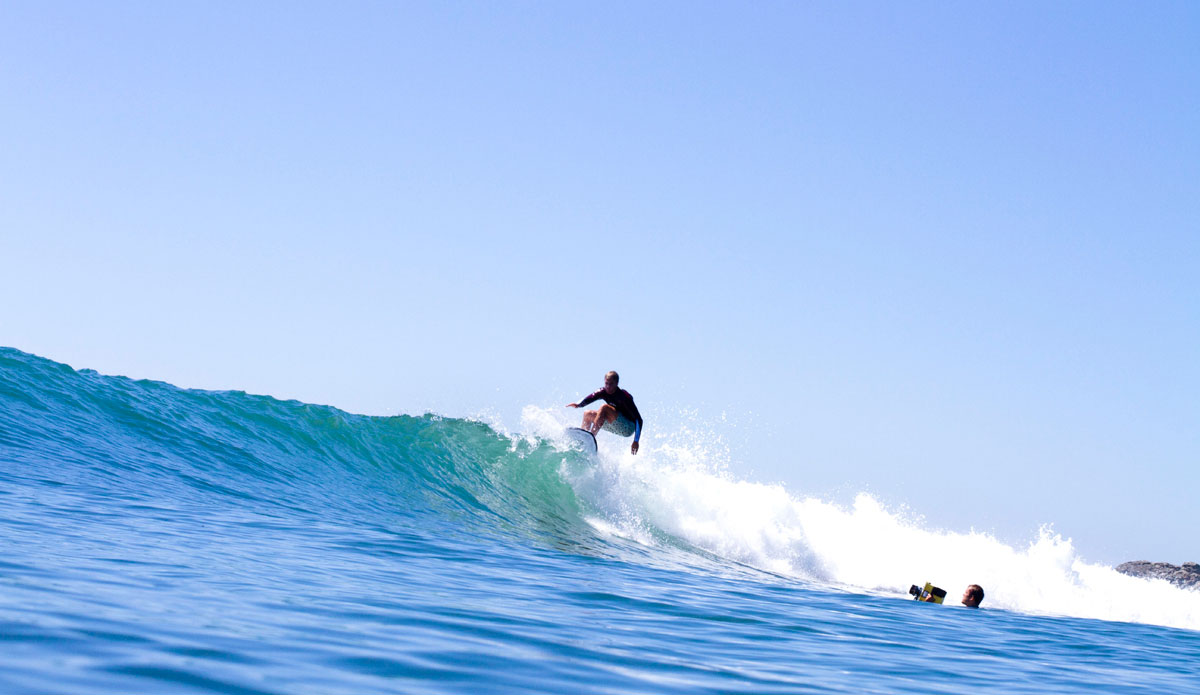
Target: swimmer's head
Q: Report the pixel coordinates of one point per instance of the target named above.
(973, 596)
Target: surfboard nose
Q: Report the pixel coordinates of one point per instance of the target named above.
(583, 439)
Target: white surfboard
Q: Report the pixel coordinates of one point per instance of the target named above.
(583, 439)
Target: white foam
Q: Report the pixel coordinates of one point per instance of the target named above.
(676, 489)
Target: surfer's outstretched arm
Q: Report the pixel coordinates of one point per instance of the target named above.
(590, 398)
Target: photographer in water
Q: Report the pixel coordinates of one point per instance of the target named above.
(971, 598)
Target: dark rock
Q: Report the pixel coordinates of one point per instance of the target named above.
(1186, 575)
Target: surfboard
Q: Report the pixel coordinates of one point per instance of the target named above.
(583, 439)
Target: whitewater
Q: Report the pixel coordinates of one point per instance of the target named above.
(155, 539)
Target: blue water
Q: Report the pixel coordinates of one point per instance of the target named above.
(161, 540)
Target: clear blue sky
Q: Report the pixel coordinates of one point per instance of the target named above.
(948, 253)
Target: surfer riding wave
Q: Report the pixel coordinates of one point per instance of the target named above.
(618, 415)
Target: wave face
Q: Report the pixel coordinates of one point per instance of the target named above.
(160, 539)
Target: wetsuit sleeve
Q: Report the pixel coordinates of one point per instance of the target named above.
(637, 420)
(591, 398)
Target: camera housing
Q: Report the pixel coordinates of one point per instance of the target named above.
(929, 594)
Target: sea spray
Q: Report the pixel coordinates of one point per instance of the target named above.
(674, 490)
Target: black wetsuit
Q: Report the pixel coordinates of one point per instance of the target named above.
(623, 402)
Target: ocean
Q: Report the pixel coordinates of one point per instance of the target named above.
(155, 539)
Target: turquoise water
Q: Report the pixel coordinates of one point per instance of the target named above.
(161, 540)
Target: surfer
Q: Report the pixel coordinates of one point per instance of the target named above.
(618, 414)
